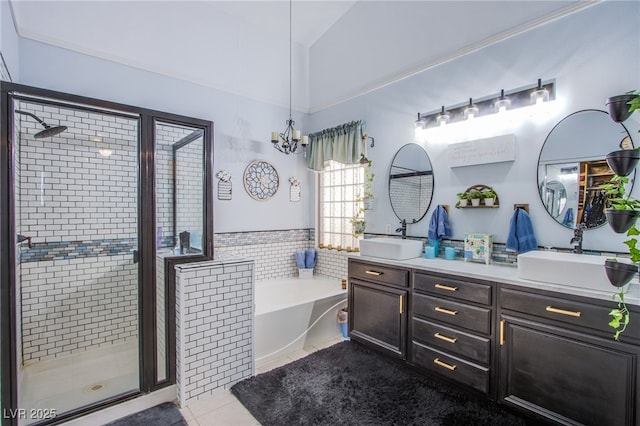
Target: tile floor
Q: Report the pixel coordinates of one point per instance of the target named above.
(223, 409)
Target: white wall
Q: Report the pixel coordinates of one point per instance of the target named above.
(592, 54)
(242, 127)
(8, 40)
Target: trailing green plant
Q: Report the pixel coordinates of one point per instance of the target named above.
(619, 316)
(620, 200)
(617, 196)
(357, 222)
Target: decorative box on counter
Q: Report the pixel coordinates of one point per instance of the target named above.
(477, 247)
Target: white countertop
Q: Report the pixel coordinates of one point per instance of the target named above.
(508, 274)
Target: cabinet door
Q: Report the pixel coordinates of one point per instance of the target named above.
(566, 376)
(377, 316)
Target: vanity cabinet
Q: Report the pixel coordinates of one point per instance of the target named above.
(558, 359)
(378, 306)
(451, 328)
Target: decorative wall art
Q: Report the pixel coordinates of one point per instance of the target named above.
(224, 185)
(295, 189)
(261, 180)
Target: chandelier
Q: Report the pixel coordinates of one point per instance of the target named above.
(287, 141)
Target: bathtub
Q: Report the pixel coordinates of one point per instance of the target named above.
(293, 314)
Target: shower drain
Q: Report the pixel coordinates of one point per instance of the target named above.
(96, 387)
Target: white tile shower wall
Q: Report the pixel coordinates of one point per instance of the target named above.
(166, 136)
(73, 304)
(161, 344)
(68, 190)
(189, 189)
(78, 284)
(214, 311)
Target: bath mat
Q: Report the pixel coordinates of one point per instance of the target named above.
(348, 384)
(165, 414)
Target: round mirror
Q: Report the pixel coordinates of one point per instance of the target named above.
(410, 183)
(572, 166)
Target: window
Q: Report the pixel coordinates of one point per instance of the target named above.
(340, 191)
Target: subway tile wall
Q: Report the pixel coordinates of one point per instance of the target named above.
(188, 169)
(72, 305)
(272, 251)
(214, 311)
(78, 282)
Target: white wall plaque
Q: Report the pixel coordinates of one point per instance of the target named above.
(482, 151)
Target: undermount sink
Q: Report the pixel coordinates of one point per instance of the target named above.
(391, 248)
(567, 269)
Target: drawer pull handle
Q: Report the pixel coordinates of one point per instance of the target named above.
(445, 311)
(401, 304)
(444, 364)
(445, 338)
(445, 287)
(376, 273)
(502, 333)
(563, 312)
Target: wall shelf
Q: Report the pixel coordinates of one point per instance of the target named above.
(481, 188)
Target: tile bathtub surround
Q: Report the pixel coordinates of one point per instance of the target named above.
(272, 251)
(214, 312)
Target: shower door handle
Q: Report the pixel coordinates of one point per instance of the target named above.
(136, 256)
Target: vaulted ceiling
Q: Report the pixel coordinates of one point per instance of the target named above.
(243, 46)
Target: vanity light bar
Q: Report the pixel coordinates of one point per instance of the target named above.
(494, 104)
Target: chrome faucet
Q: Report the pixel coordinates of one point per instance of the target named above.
(577, 238)
(403, 228)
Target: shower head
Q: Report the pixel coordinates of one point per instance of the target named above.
(48, 130)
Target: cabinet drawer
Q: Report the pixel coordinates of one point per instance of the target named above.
(455, 288)
(453, 313)
(452, 367)
(476, 348)
(378, 273)
(560, 310)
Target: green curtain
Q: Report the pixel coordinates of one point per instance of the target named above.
(341, 143)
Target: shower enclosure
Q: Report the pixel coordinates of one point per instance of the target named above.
(90, 202)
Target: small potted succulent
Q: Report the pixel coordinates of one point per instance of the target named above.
(489, 197)
(463, 199)
(475, 196)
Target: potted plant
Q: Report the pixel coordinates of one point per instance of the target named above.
(463, 199)
(359, 225)
(475, 196)
(624, 210)
(619, 109)
(489, 197)
(622, 218)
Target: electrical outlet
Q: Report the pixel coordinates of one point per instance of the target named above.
(387, 229)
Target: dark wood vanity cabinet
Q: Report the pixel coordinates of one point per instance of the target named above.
(558, 360)
(378, 306)
(452, 328)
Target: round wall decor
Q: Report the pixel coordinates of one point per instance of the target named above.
(261, 180)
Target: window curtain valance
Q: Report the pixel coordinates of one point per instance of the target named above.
(341, 143)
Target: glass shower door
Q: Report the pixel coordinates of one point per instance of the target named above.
(76, 195)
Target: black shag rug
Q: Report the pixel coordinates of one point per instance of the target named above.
(165, 414)
(348, 384)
